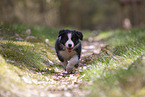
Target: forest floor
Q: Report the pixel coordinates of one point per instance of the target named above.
(35, 80)
(111, 63)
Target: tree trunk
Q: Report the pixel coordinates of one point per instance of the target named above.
(65, 12)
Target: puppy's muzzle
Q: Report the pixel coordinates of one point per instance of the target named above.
(70, 48)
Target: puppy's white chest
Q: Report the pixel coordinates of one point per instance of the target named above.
(67, 55)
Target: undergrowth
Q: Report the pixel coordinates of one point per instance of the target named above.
(24, 53)
(118, 71)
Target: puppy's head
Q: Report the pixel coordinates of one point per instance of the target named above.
(70, 38)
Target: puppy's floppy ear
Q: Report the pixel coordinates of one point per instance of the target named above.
(61, 33)
(79, 35)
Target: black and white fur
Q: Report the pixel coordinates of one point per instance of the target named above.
(68, 48)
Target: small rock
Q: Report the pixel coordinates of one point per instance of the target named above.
(16, 34)
(19, 38)
(47, 41)
(97, 51)
(1, 38)
(90, 39)
(28, 31)
(67, 94)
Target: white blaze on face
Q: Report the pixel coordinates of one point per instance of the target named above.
(69, 41)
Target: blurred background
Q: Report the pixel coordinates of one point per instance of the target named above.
(80, 14)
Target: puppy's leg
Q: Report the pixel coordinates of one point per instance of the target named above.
(64, 64)
(72, 62)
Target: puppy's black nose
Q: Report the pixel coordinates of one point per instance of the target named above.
(69, 45)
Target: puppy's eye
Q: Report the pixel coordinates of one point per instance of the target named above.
(64, 38)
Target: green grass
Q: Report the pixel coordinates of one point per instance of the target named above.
(119, 70)
(21, 59)
(31, 53)
(41, 33)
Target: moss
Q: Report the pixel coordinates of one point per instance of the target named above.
(10, 77)
(33, 56)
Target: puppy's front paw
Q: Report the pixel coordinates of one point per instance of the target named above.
(64, 64)
(70, 69)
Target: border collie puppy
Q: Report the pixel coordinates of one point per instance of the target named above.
(68, 48)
